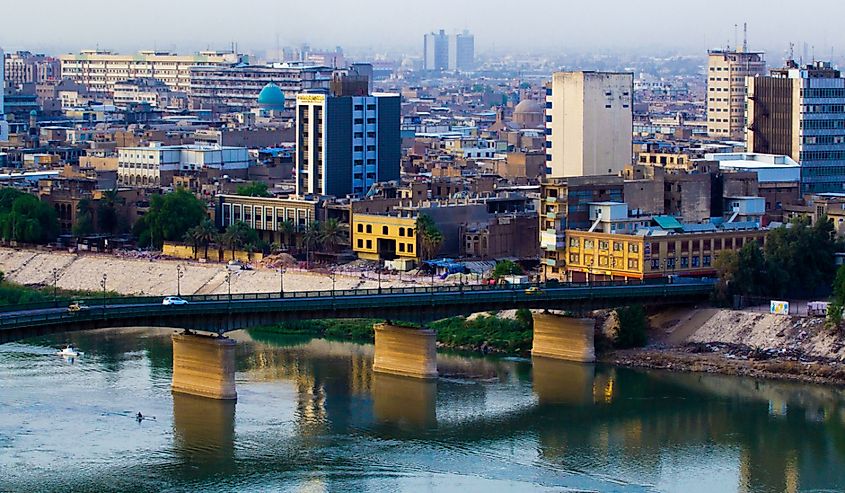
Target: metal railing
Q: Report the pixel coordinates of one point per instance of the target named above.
(300, 301)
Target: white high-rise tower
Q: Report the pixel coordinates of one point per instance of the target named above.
(4, 127)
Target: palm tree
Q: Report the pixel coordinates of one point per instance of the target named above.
(332, 235)
(206, 234)
(311, 239)
(429, 236)
(235, 236)
(192, 237)
(287, 228)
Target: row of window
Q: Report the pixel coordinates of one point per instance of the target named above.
(368, 245)
(612, 262)
(822, 155)
(604, 245)
(824, 108)
(823, 93)
(685, 263)
(385, 230)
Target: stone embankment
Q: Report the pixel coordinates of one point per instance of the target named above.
(742, 343)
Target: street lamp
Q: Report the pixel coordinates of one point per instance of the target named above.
(379, 275)
(179, 274)
(282, 283)
(55, 284)
(229, 284)
(331, 272)
(103, 284)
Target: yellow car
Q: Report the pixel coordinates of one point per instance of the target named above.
(533, 290)
(76, 307)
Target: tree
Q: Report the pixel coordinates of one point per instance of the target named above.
(107, 218)
(633, 327)
(170, 216)
(837, 302)
(205, 234)
(23, 217)
(741, 272)
(506, 268)
(332, 235)
(84, 218)
(312, 238)
(253, 189)
(800, 259)
(287, 229)
(239, 235)
(429, 236)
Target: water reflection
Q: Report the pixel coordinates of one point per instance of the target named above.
(313, 415)
(204, 432)
(407, 402)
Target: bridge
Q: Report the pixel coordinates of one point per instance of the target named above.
(205, 365)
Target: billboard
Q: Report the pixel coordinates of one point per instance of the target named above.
(779, 307)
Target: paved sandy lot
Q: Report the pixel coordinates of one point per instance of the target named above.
(158, 277)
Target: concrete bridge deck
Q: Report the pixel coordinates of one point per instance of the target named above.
(224, 313)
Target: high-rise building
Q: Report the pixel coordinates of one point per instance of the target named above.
(589, 123)
(461, 51)
(800, 112)
(726, 89)
(101, 70)
(4, 127)
(346, 140)
(23, 67)
(238, 88)
(436, 51)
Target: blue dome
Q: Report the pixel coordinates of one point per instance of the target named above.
(271, 98)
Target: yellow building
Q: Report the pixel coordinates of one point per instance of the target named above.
(666, 160)
(608, 256)
(384, 237)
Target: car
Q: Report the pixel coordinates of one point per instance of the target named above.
(76, 306)
(173, 300)
(533, 290)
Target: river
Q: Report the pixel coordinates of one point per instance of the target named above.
(311, 417)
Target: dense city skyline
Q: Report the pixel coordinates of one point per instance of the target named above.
(257, 25)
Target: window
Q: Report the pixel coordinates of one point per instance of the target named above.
(401, 231)
(369, 228)
(369, 244)
(574, 258)
(617, 246)
(684, 262)
(360, 228)
(402, 247)
(655, 264)
(574, 242)
(385, 230)
(633, 263)
(696, 261)
(410, 248)
(633, 248)
(410, 232)
(589, 245)
(603, 245)
(360, 243)
(706, 261)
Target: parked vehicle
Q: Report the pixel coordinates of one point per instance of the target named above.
(173, 300)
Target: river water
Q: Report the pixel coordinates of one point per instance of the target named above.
(312, 417)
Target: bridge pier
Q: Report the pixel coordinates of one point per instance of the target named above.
(204, 366)
(564, 338)
(405, 351)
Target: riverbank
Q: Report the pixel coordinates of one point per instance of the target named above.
(130, 275)
(744, 343)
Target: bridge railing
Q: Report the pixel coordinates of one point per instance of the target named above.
(94, 301)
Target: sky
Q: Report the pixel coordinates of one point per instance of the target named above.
(541, 26)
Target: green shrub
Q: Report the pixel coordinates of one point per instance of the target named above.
(633, 327)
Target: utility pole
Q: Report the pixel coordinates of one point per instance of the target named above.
(103, 284)
(282, 282)
(179, 274)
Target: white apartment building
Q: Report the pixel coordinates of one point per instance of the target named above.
(589, 123)
(4, 127)
(155, 165)
(726, 90)
(101, 70)
(151, 91)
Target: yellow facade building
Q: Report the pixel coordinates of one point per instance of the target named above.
(608, 256)
(384, 237)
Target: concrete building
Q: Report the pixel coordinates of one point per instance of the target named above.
(589, 123)
(461, 51)
(4, 126)
(23, 67)
(346, 143)
(155, 165)
(778, 177)
(436, 51)
(101, 70)
(800, 112)
(268, 215)
(237, 88)
(727, 71)
(153, 92)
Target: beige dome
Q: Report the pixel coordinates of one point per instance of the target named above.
(527, 106)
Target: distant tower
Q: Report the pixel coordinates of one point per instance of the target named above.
(4, 127)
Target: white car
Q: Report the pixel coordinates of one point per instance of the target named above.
(173, 300)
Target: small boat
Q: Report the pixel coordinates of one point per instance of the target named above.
(70, 352)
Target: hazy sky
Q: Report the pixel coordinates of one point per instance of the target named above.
(541, 25)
